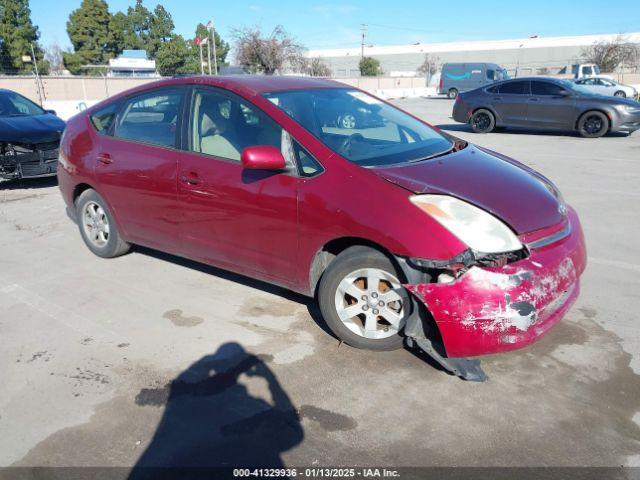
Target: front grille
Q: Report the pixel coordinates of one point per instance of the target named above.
(33, 169)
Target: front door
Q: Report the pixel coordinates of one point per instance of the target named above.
(548, 108)
(244, 220)
(136, 167)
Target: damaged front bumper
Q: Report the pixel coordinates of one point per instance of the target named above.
(495, 309)
(30, 164)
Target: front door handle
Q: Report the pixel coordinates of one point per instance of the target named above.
(105, 158)
(191, 178)
(533, 99)
(497, 98)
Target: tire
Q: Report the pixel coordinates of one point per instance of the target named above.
(379, 314)
(93, 216)
(482, 121)
(452, 93)
(620, 93)
(593, 124)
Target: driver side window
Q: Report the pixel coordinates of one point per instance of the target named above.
(222, 125)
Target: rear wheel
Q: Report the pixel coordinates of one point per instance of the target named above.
(482, 121)
(97, 226)
(620, 93)
(453, 93)
(363, 301)
(593, 124)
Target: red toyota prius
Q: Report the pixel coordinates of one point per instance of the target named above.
(399, 230)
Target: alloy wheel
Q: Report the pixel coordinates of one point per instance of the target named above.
(372, 303)
(95, 224)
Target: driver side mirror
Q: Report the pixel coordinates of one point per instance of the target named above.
(52, 112)
(262, 157)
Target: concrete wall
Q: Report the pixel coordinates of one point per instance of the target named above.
(71, 88)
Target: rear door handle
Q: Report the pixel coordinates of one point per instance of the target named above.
(533, 99)
(497, 98)
(191, 178)
(105, 158)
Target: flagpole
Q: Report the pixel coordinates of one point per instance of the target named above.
(215, 55)
(209, 57)
(201, 59)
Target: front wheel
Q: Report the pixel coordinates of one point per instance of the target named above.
(620, 93)
(482, 121)
(363, 301)
(593, 124)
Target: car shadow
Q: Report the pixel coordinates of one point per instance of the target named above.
(308, 302)
(464, 127)
(27, 183)
(211, 420)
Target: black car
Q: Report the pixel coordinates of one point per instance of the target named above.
(29, 138)
(546, 103)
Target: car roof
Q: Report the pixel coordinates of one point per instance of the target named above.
(251, 84)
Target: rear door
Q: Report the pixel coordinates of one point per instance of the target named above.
(137, 166)
(244, 220)
(547, 108)
(510, 102)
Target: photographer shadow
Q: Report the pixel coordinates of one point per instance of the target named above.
(211, 420)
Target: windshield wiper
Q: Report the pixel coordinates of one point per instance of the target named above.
(456, 147)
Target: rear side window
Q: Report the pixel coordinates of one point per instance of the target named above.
(150, 118)
(545, 88)
(513, 88)
(494, 89)
(103, 119)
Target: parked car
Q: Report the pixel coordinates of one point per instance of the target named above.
(606, 86)
(397, 231)
(546, 103)
(29, 138)
(462, 77)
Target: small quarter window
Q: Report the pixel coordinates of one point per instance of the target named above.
(103, 119)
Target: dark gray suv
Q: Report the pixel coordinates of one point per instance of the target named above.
(545, 103)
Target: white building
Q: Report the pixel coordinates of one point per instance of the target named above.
(132, 63)
(526, 55)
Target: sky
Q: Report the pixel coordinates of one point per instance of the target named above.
(319, 24)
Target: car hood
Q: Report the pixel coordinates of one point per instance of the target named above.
(31, 129)
(511, 191)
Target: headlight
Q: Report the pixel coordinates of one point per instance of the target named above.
(628, 108)
(480, 230)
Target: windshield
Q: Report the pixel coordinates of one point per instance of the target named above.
(572, 86)
(12, 105)
(360, 127)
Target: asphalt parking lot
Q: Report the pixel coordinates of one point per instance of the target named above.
(148, 359)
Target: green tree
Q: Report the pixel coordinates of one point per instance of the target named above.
(88, 29)
(117, 28)
(369, 67)
(222, 47)
(177, 56)
(160, 30)
(17, 34)
(136, 33)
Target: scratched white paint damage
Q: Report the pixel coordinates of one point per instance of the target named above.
(499, 318)
(502, 317)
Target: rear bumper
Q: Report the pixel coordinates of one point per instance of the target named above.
(497, 309)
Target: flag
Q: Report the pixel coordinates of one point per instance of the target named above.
(200, 41)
